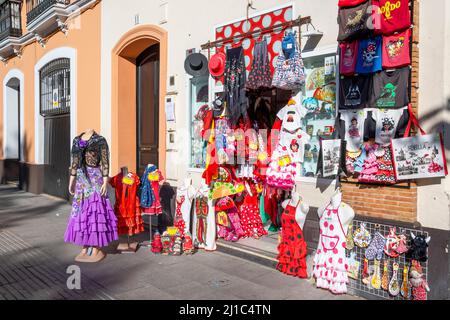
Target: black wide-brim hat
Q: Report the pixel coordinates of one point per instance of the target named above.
(196, 64)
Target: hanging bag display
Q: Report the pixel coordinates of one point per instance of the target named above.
(420, 156)
(289, 70)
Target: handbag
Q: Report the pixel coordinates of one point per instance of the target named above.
(420, 156)
(289, 72)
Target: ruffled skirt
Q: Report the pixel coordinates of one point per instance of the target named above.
(92, 222)
(330, 270)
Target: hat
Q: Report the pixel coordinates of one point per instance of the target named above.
(217, 64)
(196, 64)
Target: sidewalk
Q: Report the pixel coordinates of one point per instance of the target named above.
(34, 259)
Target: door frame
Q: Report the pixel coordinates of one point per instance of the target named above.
(14, 73)
(123, 94)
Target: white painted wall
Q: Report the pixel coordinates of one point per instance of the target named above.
(434, 104)
(11, 123)
(13, 107)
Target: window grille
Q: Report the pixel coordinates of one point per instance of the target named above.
(55, 87)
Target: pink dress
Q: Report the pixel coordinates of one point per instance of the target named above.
(330, 262)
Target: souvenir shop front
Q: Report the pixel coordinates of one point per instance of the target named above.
(280, 117)
(305, 142)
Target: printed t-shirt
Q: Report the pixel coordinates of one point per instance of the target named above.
(369, 55)
(355, 92)
(348, 56)
(354, 128)
(396, 50)
(394, 15)
(353, 22)
(386, 124)
(390, 89)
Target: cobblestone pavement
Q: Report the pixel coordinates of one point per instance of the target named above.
(34, 260)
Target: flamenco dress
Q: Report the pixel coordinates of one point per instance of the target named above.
(292, 249)
(92, 221)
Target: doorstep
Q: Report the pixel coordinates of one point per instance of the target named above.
(263, 251)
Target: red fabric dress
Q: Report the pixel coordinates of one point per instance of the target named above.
(250, 219)
(292, 249)
(127, 205)
(179, 221)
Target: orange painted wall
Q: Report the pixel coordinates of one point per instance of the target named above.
(87, 41)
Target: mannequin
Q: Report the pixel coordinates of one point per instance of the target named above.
(127, 207)
(209, 243)
(292, 249)
(330, 261)
(185, 195)
(92, 222)
(302, 208)
(345, 211)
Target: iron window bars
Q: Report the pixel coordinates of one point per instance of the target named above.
(55, 87)
(10, 21)
(37, 7)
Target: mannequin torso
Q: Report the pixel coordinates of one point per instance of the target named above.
(346, 213)
(302, 208)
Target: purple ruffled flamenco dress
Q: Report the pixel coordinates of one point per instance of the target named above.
(92, 221)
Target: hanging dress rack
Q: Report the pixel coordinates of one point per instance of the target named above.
(288, 24)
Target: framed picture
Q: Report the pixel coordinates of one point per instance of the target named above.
(331, 152)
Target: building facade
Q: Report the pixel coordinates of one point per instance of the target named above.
(73, 65)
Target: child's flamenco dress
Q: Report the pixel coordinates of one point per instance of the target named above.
(292, 248)
(92, 221)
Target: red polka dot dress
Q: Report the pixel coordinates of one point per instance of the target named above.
(330, 262)
(250, 218)
(292, 248)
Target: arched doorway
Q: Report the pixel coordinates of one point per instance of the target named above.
(139, 73)
(12, 130)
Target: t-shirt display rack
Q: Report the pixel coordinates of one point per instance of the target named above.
(357, 287)
(399, 184)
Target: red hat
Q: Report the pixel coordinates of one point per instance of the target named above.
(217, 64)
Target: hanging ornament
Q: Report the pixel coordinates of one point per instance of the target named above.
(361, 236)
(376, 278)
(349, 243)
(385, 277)
(394, 288)
(365, 274)
(353, 266)
(405, 288)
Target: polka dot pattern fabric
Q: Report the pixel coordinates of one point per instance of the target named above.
(273, 39)
(292, 249)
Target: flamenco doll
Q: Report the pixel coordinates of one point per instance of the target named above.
(92, 222)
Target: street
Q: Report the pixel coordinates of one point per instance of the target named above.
(34, 262)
